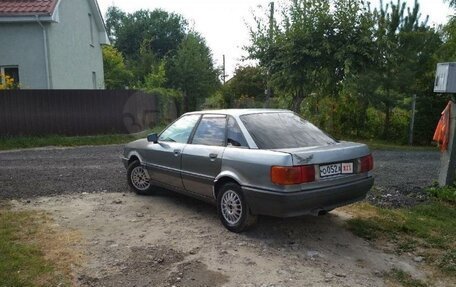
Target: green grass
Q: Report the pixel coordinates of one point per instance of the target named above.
(19, 142)
(428, 229)
(447, 193)
(22, 262)
(403, 278)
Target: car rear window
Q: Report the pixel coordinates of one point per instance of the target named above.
(284, 130)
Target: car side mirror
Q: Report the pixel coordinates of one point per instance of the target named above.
(152, 138)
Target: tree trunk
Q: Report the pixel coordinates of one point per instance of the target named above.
(386, 127)
(178, 107)
(362, 117)
(186, 102)
(297, 100)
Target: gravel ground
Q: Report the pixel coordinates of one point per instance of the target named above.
(169, 240)
(400, 175)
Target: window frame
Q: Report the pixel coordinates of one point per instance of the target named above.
(92, 34)
(209, 116)
(173, 122)
(242, 134)
(2, 71)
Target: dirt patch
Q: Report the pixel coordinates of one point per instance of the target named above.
(145, 266)
(168, 239)
(196, 274)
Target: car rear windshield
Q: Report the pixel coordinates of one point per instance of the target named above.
(284, 130)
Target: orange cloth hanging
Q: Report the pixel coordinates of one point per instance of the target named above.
(442, 132)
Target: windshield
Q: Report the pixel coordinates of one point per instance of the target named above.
(284, 130)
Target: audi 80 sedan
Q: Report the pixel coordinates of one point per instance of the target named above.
(251, 162)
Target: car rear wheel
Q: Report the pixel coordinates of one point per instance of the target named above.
(138, 178)
(233, 210)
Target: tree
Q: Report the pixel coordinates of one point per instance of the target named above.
(114, 21)
(117, 76)
(160, 31)
(404, 43)
(249, 81)
(7, 83)
(193, 71)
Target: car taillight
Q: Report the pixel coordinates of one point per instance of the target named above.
(366, 163)
(288, 175)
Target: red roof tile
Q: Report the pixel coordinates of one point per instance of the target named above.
(27, 7)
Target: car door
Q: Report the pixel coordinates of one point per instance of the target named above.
(202, 157)
(163, 159)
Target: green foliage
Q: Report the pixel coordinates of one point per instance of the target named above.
(23, 263)
(164, 58)
(193, 71)
(7, 143)
(161, 31)
(117, 76)
(404, 279)
(341, 67)
(447, 193)
(247, 82)
(156, 79)
(430, 228)
(216, 101)
(448, 262)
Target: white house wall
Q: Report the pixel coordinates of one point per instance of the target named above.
(21, 44)
(72, 57)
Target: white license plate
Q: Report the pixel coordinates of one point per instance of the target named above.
(336, 169)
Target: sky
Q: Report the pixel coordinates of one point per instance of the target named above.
(223, 22)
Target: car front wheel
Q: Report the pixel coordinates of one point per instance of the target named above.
(233, 210)
(138, 178)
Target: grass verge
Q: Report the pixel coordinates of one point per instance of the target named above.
(19, 142)
(427, 230)
(403, 278)
(32, 253)
(447, 193)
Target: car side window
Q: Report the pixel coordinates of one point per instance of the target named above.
(234, 134)
(211, 131)
(180, 130)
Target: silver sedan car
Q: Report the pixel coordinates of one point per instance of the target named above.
(251, 162)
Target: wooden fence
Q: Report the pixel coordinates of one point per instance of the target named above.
(75, 112)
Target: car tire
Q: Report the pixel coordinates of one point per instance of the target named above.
(138, 178)
(233, 209)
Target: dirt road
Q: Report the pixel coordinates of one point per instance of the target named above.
(171, 240)
(400, 175)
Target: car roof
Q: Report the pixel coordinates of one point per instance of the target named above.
(238, 112)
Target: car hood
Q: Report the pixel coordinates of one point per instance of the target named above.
(341, 151)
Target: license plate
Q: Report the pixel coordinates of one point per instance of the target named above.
(336, 169)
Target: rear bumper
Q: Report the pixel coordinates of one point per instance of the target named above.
(263, 202)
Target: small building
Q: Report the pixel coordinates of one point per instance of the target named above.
(52, 44)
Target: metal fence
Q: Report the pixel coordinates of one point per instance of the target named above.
(75, 112)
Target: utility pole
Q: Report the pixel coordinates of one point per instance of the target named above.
(271, 35)
(412, 120)
(224, 75)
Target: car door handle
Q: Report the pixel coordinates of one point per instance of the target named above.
(177, 152)
(213, 155)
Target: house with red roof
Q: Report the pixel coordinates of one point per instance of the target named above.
(52, 44)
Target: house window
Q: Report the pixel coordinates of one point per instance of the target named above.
(12, 72)
(94, 80)
(91, 29)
